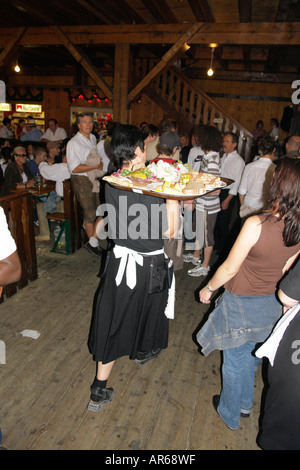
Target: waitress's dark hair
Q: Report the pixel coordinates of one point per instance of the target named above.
(210, 139)
(125, 139)
(266, 145)
(285, 197)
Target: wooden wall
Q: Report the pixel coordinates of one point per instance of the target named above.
(234, 97)
(265, 105)
(56, 99)
(146, 110)
(57, 106)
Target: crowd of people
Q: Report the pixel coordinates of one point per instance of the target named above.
(244, 223)
(31, 158)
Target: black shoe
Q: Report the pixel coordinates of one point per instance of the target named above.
(216, 401)
(92, 249)
(142, 358)
(244, 415)
(99, 397)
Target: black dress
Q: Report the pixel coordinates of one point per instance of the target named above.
(127, 320)
(281, 417)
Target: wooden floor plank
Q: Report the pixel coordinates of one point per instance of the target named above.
(44, 385)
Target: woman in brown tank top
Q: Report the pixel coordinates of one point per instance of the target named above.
(265, 249)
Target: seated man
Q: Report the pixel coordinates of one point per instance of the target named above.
(54, 133)
(53, 152)
(6, 131)
(58, 172)
(40, 155)
(33, 134)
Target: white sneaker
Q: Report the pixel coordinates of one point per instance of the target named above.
(198, 271)
(189, 258)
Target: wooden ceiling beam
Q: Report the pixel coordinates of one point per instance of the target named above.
(33, 9)
(166, 60)
(84, 61)
(85, 4)
(245, 10)
(272, 33)
(201, 10)
(283, 10)
(5, 54)
(241, 75)
(160, 10)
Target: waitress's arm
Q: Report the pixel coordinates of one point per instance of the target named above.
(287, 302)
(173, 210)
(246, 239)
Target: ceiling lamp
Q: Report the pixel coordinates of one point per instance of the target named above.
(17, 68)
(210, 71)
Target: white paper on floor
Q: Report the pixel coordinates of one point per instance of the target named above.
(30, 333)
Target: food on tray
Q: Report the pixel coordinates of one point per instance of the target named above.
(137, 178)
(169, 188)
(169, 172)
(206, 178)
(185, 178)
(120, 180)
(166, 178)
(194, 187)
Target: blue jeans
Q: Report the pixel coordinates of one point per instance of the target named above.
(238, 383)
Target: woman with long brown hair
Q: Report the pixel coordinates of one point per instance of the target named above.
(265, 249)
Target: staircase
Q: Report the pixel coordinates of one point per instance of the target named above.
(189, 105)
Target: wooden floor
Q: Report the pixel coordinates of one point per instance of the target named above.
(44, 385)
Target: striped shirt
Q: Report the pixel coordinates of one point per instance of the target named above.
(210, 163)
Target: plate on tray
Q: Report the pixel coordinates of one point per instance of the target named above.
(211, 187)
(152, 187)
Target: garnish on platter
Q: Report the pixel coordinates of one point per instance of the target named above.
(161, 177)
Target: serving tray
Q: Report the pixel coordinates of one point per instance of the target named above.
(150, 190)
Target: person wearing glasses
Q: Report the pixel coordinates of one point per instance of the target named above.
(17, 173)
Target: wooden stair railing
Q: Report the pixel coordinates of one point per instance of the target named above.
(172, 89)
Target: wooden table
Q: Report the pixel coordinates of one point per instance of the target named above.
(36, 192)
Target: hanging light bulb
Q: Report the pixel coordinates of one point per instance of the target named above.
(17, 68)
(210, 71)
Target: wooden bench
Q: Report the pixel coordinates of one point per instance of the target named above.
(18, 209)
(70, 222)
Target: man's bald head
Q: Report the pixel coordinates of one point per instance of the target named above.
(293, 144)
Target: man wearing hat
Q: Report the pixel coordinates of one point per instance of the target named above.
(33, 134)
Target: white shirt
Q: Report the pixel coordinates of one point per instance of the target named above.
(193, 154)
(59, 134)
(78, 149)
(6, 133)
(58, 172)
(274, 132)
(255, 182)
(232, 167)
(7, 243)
(103, 155)
(151, 151)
